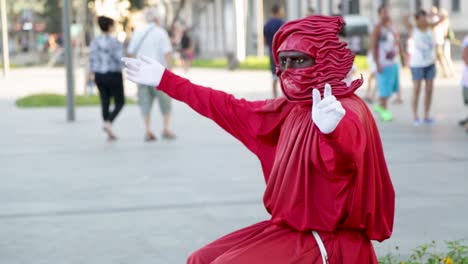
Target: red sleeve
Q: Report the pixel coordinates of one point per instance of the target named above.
(237, 116)
(344, 146)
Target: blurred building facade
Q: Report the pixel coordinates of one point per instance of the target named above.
(458, 9)
(224, 27)
(221, 27)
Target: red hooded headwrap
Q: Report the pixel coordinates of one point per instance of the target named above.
(316, 36)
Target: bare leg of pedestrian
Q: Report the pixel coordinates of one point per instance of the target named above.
(165, 105)
(370, 93)
(398, 99)
(149, 136)
(185, 64)
(105, 85)
(167, 133)
(108, 129)
(146, 96)
(429, 87)
(448, 57)
(442, 60)
(415, 100)
(383, 102)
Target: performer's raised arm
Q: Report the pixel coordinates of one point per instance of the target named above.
(236, 116)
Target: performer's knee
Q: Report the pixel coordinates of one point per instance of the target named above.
(198, 257)
(204, 255)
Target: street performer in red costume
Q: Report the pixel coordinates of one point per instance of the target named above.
(328, 190)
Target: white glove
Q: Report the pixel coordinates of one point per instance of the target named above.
(143, 70)
(326, 113)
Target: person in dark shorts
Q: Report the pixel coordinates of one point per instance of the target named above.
(105, 64)
(269, 30)
(386, 50)
(186, 48)
(422, 62)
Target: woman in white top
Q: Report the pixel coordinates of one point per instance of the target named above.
(422, 62)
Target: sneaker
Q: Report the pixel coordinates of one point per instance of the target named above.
(378, 109)
(386, 116)
(417, 122)
(429, 121)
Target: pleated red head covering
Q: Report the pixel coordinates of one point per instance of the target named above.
(316, 36)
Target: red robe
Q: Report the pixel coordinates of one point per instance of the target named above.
(337, 184)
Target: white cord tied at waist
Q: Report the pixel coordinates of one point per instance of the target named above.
(323, 251)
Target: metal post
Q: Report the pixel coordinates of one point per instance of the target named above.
(260, 40)
(66, 14)
(6, 48)
(239, 7)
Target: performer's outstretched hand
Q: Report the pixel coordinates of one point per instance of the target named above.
(143, 70)
(326, 113)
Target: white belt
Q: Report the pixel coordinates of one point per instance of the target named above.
(323, 251)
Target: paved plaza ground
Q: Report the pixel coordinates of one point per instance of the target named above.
(68, 196)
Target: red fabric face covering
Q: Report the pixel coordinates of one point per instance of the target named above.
(316, 36)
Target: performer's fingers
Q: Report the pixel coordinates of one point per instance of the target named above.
(328, 90)
(331, 107)
(132, 78)
(133, 66)
(146, 59)
(340, 111)
(316, 97)
(326, 101)
(131, 63)
(128, 60)
(131, 73)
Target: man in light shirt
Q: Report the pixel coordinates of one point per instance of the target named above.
(153, 41)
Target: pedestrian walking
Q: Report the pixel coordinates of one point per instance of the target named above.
(269, 30)
(386, 51)
(186, 50)
(153, 41)
(105, 65)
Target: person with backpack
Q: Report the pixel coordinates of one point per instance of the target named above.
(153, 41)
